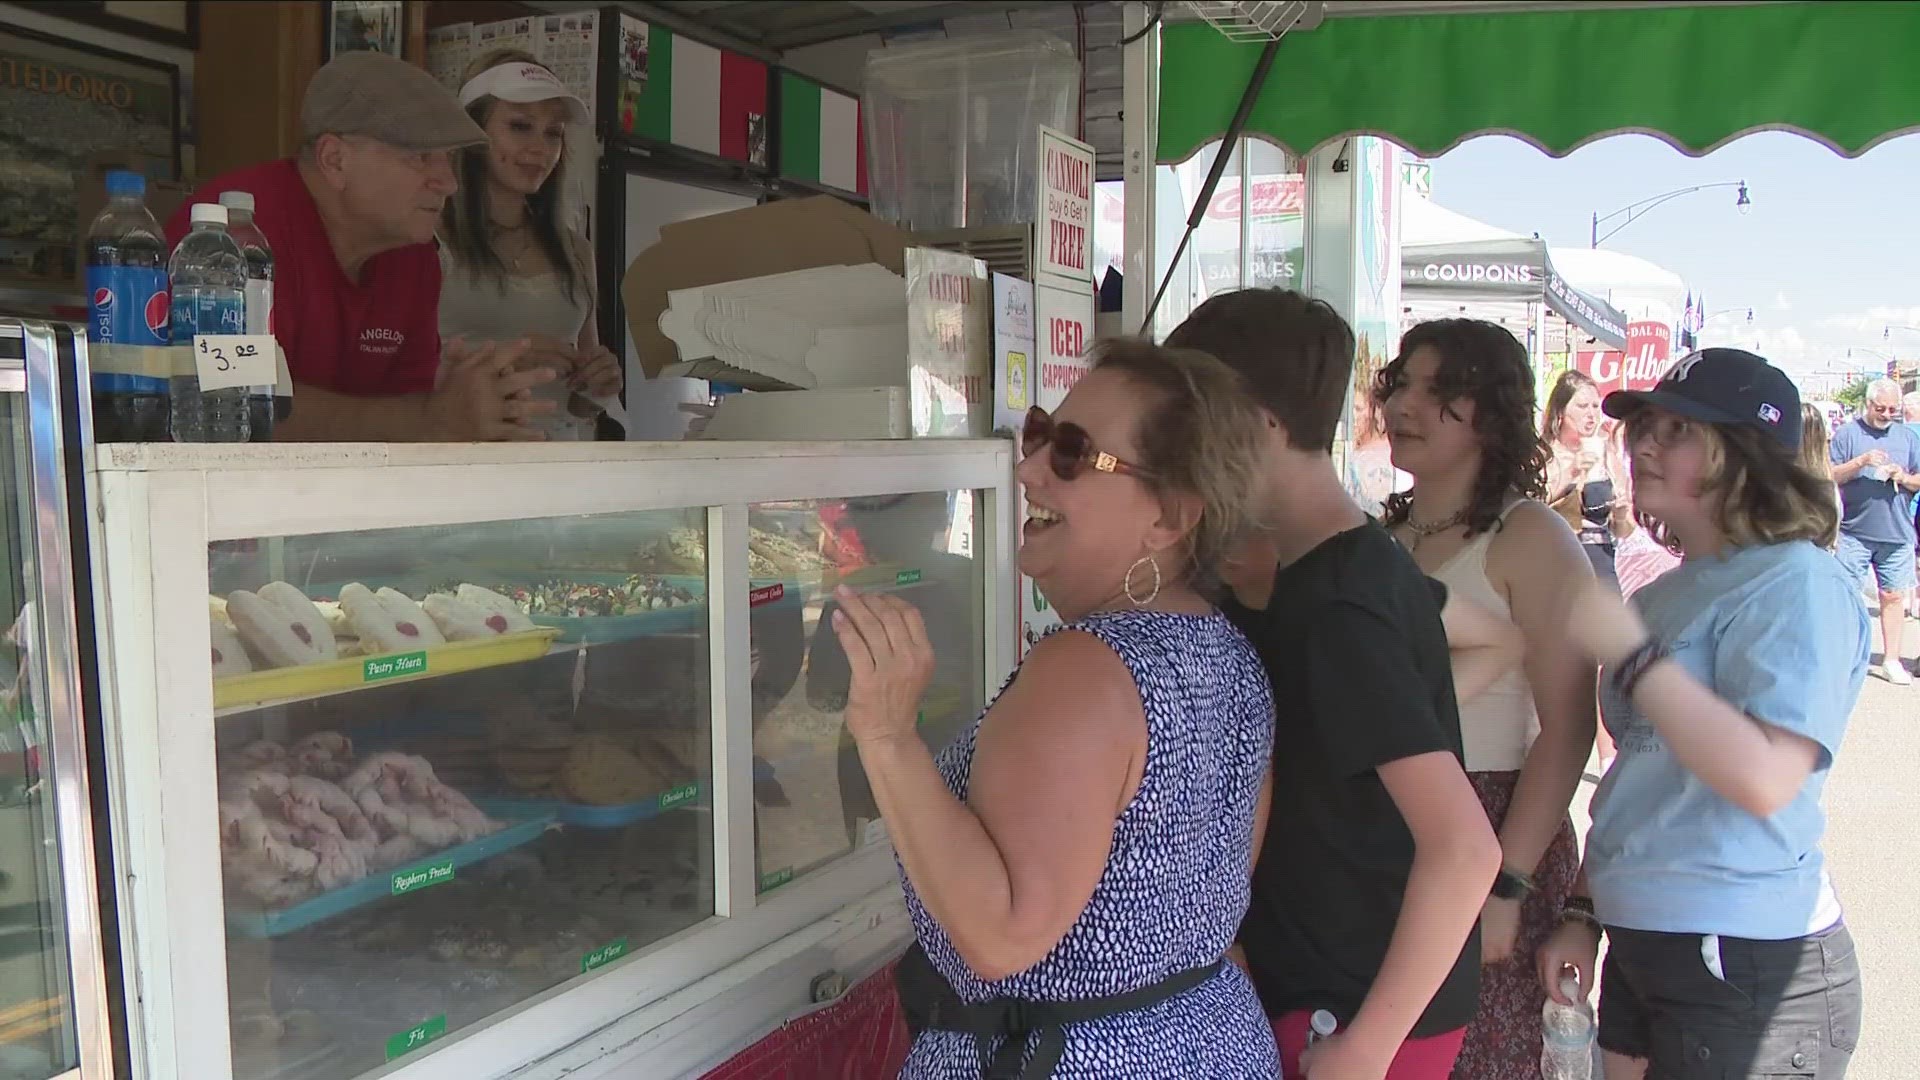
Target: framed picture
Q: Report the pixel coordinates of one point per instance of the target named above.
(64, 108)
(169, 22)
(366, 26)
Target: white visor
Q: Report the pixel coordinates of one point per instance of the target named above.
(523, 83)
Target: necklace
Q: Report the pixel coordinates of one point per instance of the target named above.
(1421, 532)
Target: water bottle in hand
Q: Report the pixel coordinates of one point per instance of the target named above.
(1567, 1034)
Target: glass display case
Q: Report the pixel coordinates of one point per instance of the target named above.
(53, 1016)
(451, 787)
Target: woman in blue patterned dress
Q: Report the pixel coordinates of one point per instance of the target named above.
(1076, 863)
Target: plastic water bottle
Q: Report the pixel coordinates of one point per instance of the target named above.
(209, 279)
(1321, 1025)
(127, 315)
(1567, 1034)
(263, 403)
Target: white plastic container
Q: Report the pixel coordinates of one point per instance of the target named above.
(952, 127)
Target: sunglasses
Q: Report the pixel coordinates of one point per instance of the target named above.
(1073, 449)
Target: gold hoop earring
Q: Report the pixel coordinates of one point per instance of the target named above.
(1126, 583)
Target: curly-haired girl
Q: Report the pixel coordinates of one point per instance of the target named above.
(1459, 405)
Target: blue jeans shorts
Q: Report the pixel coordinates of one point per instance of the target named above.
(1891, 563)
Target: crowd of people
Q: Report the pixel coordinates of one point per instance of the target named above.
(1285, 761)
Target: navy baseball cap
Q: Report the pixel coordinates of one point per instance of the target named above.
(1721, 386)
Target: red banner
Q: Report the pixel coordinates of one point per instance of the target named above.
(1649, 352)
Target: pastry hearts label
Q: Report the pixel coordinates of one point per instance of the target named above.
(398, 666)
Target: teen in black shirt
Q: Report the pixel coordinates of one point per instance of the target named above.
(1378, 855)
(1359, 663)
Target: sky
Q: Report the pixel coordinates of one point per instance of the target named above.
(1828, 257)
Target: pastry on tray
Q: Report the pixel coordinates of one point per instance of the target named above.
(388, 620)
(281, 626)
(229, 655)
(495, 606)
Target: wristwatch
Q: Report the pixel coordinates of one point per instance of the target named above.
(1512, 885)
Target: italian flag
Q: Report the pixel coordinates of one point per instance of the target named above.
(698, 96)
(820, 135)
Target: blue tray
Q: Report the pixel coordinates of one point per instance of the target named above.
(524, 827)
(588, 816)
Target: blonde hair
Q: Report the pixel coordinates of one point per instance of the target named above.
(1203, 435)
(1758, 490)
(1816, 440)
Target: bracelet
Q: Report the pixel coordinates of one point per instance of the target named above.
(1634, 666)
(1580, 909)
(1572, 915)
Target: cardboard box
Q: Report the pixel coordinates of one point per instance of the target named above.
(773, 238)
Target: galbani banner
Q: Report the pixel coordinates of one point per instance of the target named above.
(1649, 351)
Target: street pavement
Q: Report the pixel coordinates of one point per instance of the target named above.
(1873, 852)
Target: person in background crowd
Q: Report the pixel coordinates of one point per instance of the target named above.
(1077, 861)
(1369, 885)
(1728, 685)
(1816, 446)
(1459, 406)
(514, 264)
(1876, 462)
(1639, 557)
(357, 283)
(1581, 475)
(1911, 406)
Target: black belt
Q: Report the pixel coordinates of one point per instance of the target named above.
(931, 1004)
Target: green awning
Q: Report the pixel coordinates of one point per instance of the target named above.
(1846, 74)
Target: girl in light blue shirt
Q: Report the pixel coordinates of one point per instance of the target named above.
(1727, 688)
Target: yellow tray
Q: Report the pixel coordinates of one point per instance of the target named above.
(336, 676)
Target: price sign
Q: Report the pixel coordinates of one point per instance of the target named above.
(228, 360)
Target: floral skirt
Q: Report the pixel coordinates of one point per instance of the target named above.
(1503, 1042)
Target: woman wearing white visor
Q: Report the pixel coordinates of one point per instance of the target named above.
(515, 265)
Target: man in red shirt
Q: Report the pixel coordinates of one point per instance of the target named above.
(356, 276)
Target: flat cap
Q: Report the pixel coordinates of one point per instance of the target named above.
(380, 97)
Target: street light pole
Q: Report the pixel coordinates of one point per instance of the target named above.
(1633, 211)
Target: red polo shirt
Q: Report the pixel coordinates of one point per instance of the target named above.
(376, 337)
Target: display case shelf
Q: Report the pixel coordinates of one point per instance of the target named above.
(235, 694)
(418, 874)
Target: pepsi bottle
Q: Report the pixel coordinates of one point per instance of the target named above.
(128, 311)
(209, 281)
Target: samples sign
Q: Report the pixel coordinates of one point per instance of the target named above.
(1063, 242)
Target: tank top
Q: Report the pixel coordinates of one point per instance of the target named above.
(474, 305)
(1498, 727)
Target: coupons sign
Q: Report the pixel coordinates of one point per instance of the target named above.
(1063, 241)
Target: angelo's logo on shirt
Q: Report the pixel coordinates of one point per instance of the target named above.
(381, 341)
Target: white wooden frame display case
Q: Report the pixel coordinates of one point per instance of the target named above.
(675, 1005)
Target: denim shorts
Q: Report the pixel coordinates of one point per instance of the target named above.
(1890, 561)
(1782, 1010)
